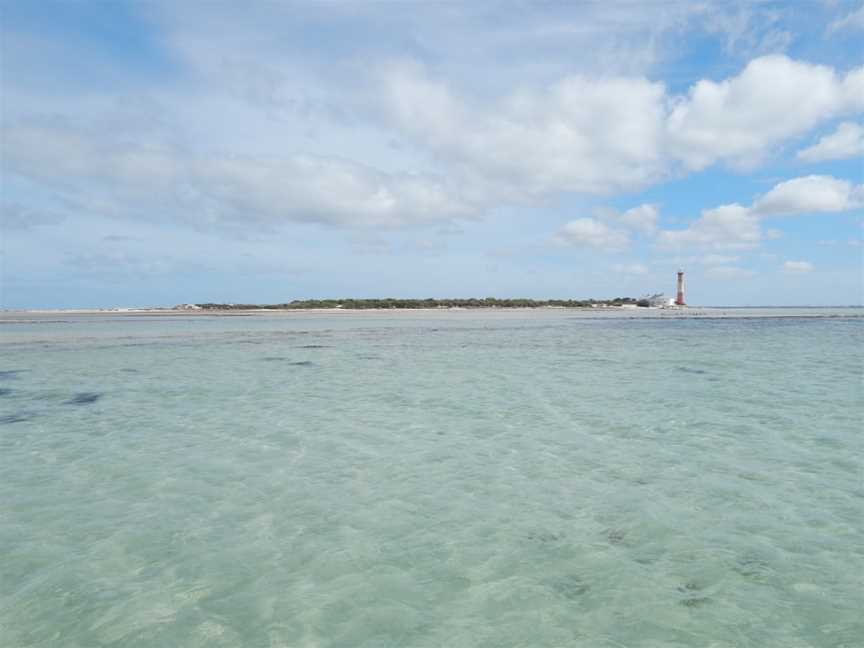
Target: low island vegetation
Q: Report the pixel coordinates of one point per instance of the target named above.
(364, 304)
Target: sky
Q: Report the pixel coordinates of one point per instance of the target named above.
(157, 153)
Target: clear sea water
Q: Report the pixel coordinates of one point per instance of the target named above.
(459, 479)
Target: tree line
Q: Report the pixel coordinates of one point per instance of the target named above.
(390, 302)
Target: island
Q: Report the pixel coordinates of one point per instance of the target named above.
(390, 302)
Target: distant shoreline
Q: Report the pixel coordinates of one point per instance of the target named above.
(268, 310)
(607, 312)
(171, 312)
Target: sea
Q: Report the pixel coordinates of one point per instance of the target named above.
(492, 479)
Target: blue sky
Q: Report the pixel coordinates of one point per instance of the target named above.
(162, 153)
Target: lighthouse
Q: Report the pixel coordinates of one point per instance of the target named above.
(679, 297)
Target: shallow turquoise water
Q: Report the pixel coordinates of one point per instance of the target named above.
(432, 480)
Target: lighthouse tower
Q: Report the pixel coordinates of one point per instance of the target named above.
(679, 298)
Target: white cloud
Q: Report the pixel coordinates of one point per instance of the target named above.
(813, 193)
(741, 119)
(738, 227)
(600, 135)
(212, 190)
(852, 21)
(303, 188)
(636, 269)
(642, 218)
(797, 267)
(589, 232)
(845, 142)
(728, 226)
(729, 272)
(474, 151)
(588, 135)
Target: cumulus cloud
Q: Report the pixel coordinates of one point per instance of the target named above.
(588, 135)
(588, 232)
(304, 188)
(797, 267)
(728, 226)
(580, 133)
(810, 194)
(845, 142)
(738, 227)
(642, 218)
(599, 135)
(741, 119)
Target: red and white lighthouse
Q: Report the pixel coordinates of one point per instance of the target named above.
(679, 298)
